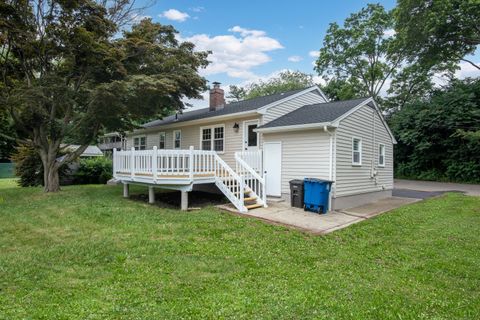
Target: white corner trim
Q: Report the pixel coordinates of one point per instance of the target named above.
(298, 127)
(263, 110)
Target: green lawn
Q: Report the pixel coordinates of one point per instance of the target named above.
(87, 253)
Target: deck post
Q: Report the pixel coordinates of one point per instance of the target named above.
(184, 202)
(132, 163)
(125, 190)
(151, 195)
(114, 159)
(190, 166)
(154, 163)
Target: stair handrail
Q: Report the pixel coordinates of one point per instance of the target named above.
(260, 191)
(238, 202)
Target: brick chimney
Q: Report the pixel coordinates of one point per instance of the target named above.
(217, 97)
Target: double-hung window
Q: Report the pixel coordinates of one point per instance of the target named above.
(381, 155)
(177, 139)
(213, 138)
(162, 141)
(356, 151)
(140, 143)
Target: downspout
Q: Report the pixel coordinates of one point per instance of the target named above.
(330, 167)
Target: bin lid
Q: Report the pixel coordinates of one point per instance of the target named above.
(316, 180)
(296, 181)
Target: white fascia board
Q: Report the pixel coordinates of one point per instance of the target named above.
(298, 127)
(175, 125)
(263, 110)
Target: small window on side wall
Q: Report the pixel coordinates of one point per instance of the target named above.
(140, 143)
(162, 140)
(356, 151)
(177, 139)
(381, 155)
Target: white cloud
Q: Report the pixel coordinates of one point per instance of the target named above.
(235, 54)
(175, 15)
(389, 33)
(467, 70)
(295, 59)
(314, 54)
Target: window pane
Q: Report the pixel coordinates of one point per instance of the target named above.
(219, 133)
(206, 134)
(252, 136)
(356, 145)
(218, 145)
(206, 145)
(356, 157)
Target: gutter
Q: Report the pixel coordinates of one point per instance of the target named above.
(177, 124)
(299, 127)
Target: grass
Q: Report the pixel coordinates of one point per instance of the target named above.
(86, 253)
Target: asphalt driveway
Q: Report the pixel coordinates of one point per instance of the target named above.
(427, 189)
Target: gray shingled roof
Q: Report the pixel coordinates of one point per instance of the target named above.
(315, 113)
(230, 108)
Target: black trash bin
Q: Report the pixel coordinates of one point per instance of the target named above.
(296, 193)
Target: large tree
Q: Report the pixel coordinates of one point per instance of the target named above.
(67, 72)
(439, 33)
(362, 51)
(284, 81)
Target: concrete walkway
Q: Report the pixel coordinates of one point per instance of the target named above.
(430, 186)
(281, 213)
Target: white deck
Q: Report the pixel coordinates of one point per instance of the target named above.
(181, 169)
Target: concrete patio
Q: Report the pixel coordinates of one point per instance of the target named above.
(283, 214)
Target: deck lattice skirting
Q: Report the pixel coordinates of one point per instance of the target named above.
(181, 169)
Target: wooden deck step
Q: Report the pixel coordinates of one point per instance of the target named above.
(254, 206)
(250, 199)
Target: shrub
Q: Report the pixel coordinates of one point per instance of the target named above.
(29, 167)
(96, 170)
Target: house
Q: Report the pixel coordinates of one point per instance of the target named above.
(110, 141)
(251, 149)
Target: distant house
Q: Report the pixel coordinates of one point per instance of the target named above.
(251, 149)
(110, 141)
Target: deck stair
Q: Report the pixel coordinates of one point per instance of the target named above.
(181, 169)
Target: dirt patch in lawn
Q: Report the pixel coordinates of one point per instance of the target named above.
(171, 199)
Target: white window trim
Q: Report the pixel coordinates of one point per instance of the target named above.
(246, 123)
(139, 137)
(360, 151)
(174, 135)
(212, 138)
(164, 139)
(383, 154)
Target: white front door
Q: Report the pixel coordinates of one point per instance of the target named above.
(273, 168)
(250, 137)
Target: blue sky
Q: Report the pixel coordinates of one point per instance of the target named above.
(253, 40)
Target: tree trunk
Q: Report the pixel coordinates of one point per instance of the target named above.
(51, 181)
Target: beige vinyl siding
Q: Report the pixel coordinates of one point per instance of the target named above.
(351, 179)
(191, 137)
(291, 105)
(305, 154)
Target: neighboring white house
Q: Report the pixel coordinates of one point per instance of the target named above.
(251, 149)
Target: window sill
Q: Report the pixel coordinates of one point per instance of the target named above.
(356, 164)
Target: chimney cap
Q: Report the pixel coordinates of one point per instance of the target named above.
(216, 84)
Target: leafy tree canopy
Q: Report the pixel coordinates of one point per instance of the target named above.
(439, 33)
(438, 138)
(340, 89)
(285, 81)
(361, 52)
(67, 73)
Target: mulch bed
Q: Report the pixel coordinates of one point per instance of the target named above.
(171, 199)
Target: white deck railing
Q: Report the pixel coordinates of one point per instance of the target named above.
(249, 165)
(191, 164)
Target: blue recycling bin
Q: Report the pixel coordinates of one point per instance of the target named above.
(316, 194)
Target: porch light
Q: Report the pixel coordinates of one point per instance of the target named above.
(236, 127)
